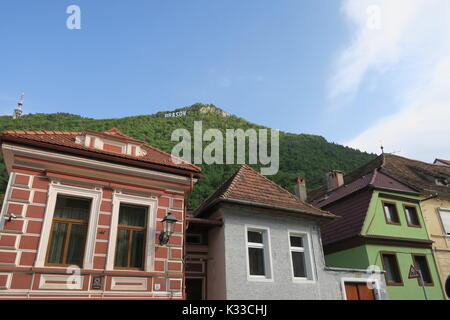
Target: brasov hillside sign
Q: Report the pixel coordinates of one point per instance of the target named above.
(175, 114)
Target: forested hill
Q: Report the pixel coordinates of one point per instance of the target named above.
(304, 155)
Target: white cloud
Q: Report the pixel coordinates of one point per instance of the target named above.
(421, 129)
(414, 39)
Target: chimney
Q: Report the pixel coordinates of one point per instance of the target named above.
(300, 188)
(335, 179)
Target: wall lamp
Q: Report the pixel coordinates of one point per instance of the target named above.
(10, 216)
(168, 223)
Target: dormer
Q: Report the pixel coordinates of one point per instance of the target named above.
(113, 141)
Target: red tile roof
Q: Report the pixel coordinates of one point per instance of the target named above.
(248, 187)
(58, 140)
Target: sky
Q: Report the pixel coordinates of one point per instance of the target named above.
(362, 73)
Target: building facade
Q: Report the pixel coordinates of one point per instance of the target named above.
(266, 244)
(82, 216)
(433, 183)
(382, 226)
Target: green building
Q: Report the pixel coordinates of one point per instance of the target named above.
(381, 226)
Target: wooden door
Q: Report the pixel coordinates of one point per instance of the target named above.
(358, 291)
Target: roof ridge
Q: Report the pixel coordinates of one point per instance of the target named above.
(47, 132)
(233, 179)
(374, 175)
(286, 191)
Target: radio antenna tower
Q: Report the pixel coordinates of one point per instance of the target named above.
(18, 110)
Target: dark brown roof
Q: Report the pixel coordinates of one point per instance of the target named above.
(375, 179)
(413, 174)
(58, 139)
(353, 212)
(426, 177)
(248, 187)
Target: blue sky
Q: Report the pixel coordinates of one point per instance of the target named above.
(303, 66)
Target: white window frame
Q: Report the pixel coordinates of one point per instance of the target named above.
(444, 229)
(6, 198)
(151, 204)
(56, 189)
(307, 250)
(267, 253)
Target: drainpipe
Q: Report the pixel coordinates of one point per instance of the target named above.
(429, 198)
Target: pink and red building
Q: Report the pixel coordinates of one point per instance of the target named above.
(82, 216)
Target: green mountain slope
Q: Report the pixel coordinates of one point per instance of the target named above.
(304, 155)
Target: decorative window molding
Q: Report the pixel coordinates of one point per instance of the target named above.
(392, 267)
(54, 190)
(267, 255)
(306, 249)
(412, 216)
(390, 213)
(421, 263)
(444, 215)
(151, 203)
(98, 142)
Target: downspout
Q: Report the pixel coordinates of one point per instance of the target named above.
(430, 197)
(185, 226)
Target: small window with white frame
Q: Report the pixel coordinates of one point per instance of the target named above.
(445, 218)
(258, 254)
(300, 257)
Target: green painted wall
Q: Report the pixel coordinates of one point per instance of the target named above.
(368, 255)
(364, 256)
(411, 290)
(375, 223)
(355, 258)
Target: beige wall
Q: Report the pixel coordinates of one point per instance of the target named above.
(441, 245)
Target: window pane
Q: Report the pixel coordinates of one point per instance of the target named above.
(77, 240)
(255, 237)
(421, 263)
(296, 242)
(392, 269)
(132, 215)
(445, 217)
(256, 261)
(137, 249)
(391, 213)
(298, 262)
(122, 247)
(72, 208)
(411, 216)
(57, 242)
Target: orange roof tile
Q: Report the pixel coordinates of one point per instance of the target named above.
(246, 186)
